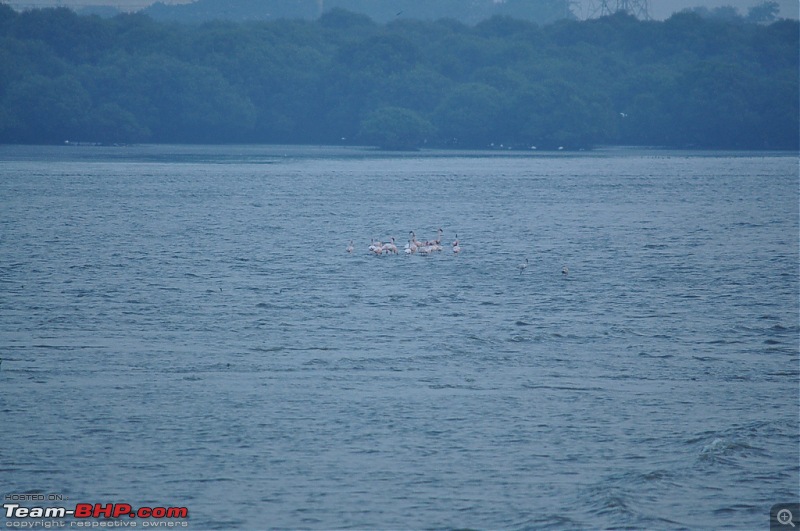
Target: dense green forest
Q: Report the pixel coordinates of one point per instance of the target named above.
(688, 81)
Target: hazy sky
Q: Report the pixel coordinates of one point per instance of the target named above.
(659, 9)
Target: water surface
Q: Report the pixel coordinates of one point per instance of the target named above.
(182, 326)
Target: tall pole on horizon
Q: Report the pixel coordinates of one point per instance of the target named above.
(638, 8)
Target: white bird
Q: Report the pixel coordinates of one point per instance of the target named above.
(456, 247)
(390, 247)
(565, 271)
(350, 247)
(423, 247)
(523, 266)
(438, 239)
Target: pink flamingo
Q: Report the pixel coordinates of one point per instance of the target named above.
(390, 247)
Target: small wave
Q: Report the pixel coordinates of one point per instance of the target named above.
(441, 386)
(728, 452)
(655, 356)
(561, 387)
(316, 362)
(705, 358)
(738, 508)
(791, 374)
(554, 521)
(722, 342)
(311, 348)
(268, 349)
(610, 502)
(202, 480)
(656, 475)
(479, 339)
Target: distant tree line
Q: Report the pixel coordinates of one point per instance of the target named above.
(759, 14)
(689, 81)
(466, 11)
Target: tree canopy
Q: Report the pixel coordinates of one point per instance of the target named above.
(690, 81)
(466, 11)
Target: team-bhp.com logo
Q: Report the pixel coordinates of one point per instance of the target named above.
(94, 515)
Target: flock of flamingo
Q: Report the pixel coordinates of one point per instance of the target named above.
(426, 247)
(413, 246)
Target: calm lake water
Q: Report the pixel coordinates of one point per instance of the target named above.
(181, 326)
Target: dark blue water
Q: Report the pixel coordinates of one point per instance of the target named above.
(181, 326)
